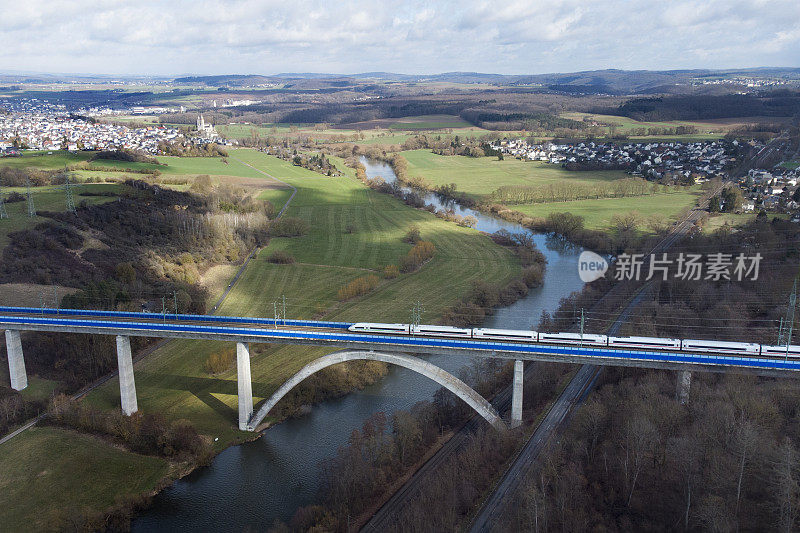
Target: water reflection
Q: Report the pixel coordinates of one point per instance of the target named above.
(251, 485)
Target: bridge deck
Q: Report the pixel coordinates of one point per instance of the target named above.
(335, 334)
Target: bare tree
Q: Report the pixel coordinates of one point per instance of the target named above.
(686, 455)
(639, 436)
(785, 485)
(591, 420)
(745, 439)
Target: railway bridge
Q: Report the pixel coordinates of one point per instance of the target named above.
(393, 349)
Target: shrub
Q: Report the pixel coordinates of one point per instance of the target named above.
(281, 257)
(358, 286)
(219, 362)
(529, 256)
(464, 314)
(391, 271)
(149, 434)
(412, 235)
(14, 197)
(421, 252)
(288, 227)
(533, 275)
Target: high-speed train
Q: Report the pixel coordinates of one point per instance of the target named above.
(587, 339)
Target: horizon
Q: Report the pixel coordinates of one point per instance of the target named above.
(152, 39)
(13, 72)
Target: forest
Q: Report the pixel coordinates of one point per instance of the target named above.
(782, 103)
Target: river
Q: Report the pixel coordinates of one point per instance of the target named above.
(252, 485)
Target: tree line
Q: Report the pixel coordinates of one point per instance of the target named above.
(564, 191)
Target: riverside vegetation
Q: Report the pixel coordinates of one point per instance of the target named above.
(634, 458)
(345, 230)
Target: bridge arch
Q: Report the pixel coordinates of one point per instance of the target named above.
(443, 378)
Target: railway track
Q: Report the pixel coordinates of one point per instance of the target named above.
(162, 342)
(573, 395)
(578, 388)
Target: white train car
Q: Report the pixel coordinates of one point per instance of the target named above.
(587, 339)
(505, 335)
(371, 327)
(736, 348)
(793, 351)
(441, 331)
(644, 343)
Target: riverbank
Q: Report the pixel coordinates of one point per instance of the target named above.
(350, 229)
(288, 456)
(593, 223)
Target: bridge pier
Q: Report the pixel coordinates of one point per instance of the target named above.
(16, 362)
(684, 383)
(245, 384)
(127, 386)
(516, 398)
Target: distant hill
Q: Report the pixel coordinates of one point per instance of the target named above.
(230, 80)
(609, 81)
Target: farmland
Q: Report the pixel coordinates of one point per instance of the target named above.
(479, 177)
(50, 474)
(706, 129)
(353, 231)
(598, 213)
(388, 131)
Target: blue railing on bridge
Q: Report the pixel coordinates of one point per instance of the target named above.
(48, 311)
(411, 342)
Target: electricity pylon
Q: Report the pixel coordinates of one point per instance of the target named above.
(29, 194)
(3, 213)
(68, 193)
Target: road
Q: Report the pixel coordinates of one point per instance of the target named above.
(254, 250)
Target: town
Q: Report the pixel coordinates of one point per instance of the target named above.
(40, 125)
(685, 163)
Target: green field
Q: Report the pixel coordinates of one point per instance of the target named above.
(172, 380)
(45, 160)
(706, 129)
(47, 199)
(598, 213)
(625, 124)
(354, 231)
(719, 220)
(480, 176)
(428, 122)
(50, 474)
(379, 131)
(168, 165)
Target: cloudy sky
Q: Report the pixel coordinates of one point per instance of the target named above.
(513, 37)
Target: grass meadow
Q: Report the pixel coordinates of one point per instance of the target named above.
(47, 199)
(480, 176)
(50, 474)
(598, 213)
(354, 231)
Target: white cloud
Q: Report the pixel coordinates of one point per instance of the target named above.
(515, 36)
